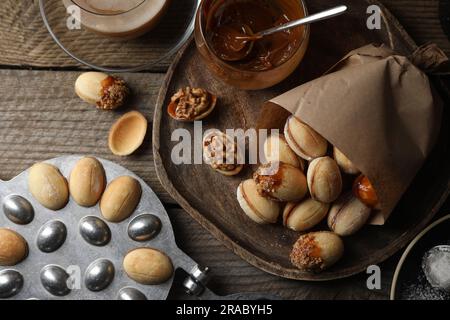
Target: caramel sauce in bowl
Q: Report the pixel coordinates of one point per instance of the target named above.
(220, 31)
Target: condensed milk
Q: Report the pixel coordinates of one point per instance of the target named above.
(120, 19)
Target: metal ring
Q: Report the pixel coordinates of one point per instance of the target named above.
(197, 280)
(192, 287)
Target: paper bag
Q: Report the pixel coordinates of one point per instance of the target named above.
(378, 109)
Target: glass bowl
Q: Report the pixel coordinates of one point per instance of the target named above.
(246, 79)
(130, 36)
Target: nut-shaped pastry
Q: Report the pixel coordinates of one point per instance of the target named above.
(324, 180)
(99, 89)
(304, 215)
(120, 198)
(48, 186)
(305, 142)
(221, 152)
(364, 191)
(191, 104)
(280, 182)
(317, 251)
(87, 181)
(284, 153)
(260, 209)
(348, 215)
(148, 266)
(344, 163)
(127, 134)
(13, 247)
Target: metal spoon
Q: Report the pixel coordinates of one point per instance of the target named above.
(333, 12)
(248, 37)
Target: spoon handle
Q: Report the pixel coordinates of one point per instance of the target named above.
(309, 19)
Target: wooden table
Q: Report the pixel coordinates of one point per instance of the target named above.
(42, 118)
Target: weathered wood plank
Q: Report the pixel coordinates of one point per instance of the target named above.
(420, 18)
(26, 42)
(41, 118)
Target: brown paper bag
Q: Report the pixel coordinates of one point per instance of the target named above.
(378, 109)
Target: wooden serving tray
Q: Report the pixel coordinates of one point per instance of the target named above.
(210, 198)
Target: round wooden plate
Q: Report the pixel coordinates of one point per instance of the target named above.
(210, 198)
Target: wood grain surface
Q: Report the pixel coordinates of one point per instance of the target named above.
(40, 118)
(25, 36)
(26, 42)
